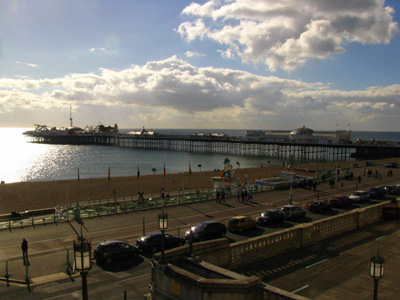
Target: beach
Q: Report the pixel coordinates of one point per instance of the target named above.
(33, 195)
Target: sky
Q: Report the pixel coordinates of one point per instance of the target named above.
(219, 64)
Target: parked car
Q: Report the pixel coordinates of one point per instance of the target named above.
(360, 196)
(292, 212)
(319, 206)
(392, 189)
(391, 164)
(271, 217)
(241, 223)
(377, 192)
(207, 230)
(109, 251)
(152, 242)
(340, 201)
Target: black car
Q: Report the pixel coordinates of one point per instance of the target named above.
(377, 192)
(319, 206)
(152, 242)
(392, 190)
(272, 216)
(391, 164)
(207, 230)
(109, 251)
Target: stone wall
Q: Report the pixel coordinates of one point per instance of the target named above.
(262, 247)
(219, 252)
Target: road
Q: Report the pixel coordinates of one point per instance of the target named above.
(48, 245)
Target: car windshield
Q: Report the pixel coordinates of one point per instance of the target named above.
(357, 194)
(199, 227)
(233, 221)
(286, 208)
(268, 214)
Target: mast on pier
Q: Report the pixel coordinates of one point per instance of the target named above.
(70, 116)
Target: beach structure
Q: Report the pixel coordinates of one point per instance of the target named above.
(226, 181)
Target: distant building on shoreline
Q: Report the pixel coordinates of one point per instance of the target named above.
(301, 135)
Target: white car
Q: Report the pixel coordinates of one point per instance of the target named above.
(293, 211)
(360, 196)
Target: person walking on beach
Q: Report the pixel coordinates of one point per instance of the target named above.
(24, 248)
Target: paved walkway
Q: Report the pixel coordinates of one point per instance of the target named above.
(337, 268)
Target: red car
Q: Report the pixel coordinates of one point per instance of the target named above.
(340, 201)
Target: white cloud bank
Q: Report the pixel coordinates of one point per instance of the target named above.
(172, 93)
(286, 34)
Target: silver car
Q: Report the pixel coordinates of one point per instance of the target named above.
(292, 212)
(360, 196)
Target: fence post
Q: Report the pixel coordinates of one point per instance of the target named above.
(7, 275)
(144, 231)
(67, 266)
(33, 222)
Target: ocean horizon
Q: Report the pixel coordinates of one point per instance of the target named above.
(21, 160)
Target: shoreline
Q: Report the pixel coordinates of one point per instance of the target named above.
(23, 196)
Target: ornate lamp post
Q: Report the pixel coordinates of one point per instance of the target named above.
(199, 165)
(376, 271)
(83, 261)
(162, 225)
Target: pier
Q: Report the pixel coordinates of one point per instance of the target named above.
(283, 149)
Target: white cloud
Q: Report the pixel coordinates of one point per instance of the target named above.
(172, 92)
(97, 50)
(193, 54)
(27, 64)
(286, 34)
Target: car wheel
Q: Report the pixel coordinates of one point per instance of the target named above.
(304, 214)
(240, 229)
(223, 234)
(181, 243)
(135, 254)
(109, 260)
(154, 249)
(291, 218)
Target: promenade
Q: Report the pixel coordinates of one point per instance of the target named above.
(48, 246)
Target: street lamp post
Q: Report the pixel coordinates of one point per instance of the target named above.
(199, 165)
(83, 261)
(162, 225)
(376, 271)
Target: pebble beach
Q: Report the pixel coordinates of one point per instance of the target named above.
(33, 195)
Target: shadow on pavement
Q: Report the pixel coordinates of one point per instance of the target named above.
(122, 264)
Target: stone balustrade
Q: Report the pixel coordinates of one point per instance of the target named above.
(265, 246)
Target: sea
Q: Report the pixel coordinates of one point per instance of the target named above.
(21, 160)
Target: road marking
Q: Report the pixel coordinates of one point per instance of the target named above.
(319, 262)
(132, 278)
(302, 288)
(381, 237)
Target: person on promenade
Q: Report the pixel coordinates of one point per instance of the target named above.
(218, 195)
(24, 248)
(238, 195)
(359, 179)
(223, 197)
